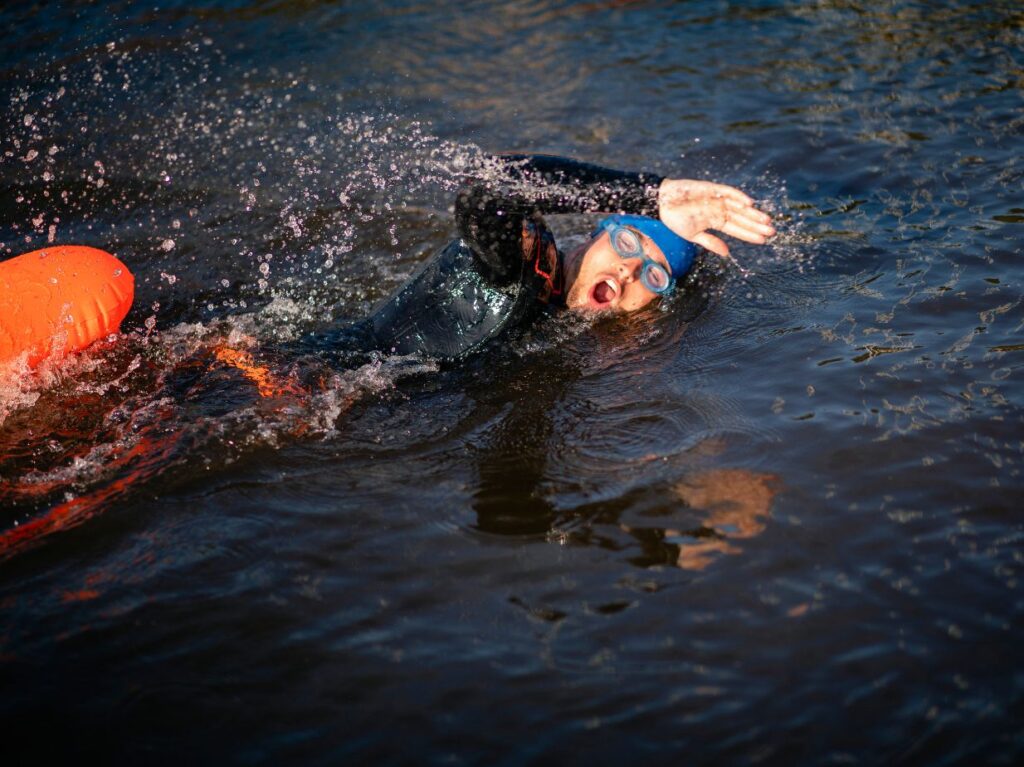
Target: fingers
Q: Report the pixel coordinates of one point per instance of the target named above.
(742, 229)
(754, 223)
(748, 210)
(732, 195)
(748, 224)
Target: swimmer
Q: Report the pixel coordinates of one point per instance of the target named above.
(502, 272)
(505, 269)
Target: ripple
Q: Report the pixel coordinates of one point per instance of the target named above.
(503, 543)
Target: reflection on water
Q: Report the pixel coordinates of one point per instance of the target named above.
(700, 533)
(737, 504)
(126, 412)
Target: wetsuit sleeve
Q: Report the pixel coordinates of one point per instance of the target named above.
(507, 190)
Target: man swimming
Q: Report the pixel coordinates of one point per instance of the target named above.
(503, 271)
(500, 274)
(505, 267)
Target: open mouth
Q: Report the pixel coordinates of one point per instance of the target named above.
(603, 293)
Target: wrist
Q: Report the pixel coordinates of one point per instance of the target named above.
(652, 184)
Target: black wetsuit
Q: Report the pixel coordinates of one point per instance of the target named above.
(505, 268)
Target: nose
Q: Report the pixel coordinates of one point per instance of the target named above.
(629, 268)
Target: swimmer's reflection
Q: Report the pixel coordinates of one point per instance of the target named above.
(511, 467)
(733, 505)
(728, 505)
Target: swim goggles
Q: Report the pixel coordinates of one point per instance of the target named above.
(626, 243)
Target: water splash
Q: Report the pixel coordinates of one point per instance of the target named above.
(315, 212)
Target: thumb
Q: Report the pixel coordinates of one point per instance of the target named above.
(712, 243)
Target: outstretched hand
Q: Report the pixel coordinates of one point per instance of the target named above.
(690, 208)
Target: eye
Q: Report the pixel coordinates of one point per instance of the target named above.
(627, 243)
(657, 278)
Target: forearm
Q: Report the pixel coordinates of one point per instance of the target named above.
(561, 185)
(503, 191)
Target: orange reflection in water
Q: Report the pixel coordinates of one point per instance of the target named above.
(157, 446)
(268, 383)
(149, 455)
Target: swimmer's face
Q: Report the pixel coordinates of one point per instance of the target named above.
(606, 282)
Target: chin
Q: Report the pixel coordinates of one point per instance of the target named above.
(592, 309)
(581, 301)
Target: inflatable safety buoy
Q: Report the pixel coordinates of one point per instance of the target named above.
(58, 300)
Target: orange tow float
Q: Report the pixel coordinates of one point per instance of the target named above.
(58, 300)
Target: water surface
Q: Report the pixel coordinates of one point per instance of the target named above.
(778, 523)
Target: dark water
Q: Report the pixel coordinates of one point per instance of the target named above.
(779, 523)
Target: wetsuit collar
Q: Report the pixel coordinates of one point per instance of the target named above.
(548, 264)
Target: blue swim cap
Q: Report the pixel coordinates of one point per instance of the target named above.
(678, 252)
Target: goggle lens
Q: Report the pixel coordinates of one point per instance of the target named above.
(655, 278)
(627, 243)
